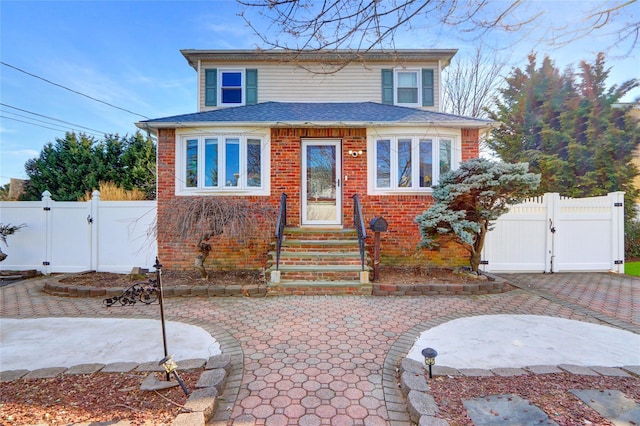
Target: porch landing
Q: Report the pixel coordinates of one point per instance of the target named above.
(317, 261)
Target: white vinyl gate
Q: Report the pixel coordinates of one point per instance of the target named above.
(558, 234)
(60, 236)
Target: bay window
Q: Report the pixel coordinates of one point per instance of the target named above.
(411, 163)
(222, 163)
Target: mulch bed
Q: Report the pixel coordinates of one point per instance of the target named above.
(392, 281)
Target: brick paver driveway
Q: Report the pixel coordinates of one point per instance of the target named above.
(315, 360)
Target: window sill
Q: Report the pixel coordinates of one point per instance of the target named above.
(426, 191)
(223, 193)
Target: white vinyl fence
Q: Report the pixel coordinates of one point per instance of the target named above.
(543, 234)
(105, 236)
(558, 234)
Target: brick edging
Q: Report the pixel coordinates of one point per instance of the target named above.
(54, 287)
(493, 285)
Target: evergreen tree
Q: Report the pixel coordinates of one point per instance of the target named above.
(64, 168)
(469, 199)
(76, 164)
(139, 165)
(569, 128)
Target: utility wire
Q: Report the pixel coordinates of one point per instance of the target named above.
(74, 125)
(71, 90)
(33, 124)
(73, 129)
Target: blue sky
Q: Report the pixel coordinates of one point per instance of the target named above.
(127, 53)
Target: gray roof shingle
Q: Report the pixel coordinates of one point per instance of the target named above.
(318, 113)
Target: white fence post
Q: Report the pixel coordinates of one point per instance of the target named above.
(93, 222)
(47, 203)
(617, 231)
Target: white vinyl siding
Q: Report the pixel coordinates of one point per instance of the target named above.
(280, 82)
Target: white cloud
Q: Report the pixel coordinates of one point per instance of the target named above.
(6, 130)
(21, 153)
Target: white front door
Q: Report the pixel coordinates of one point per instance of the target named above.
(321, 185)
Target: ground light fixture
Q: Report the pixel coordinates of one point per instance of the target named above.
(429, 355)
(170, 366)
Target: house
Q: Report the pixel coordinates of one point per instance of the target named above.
(321, 127)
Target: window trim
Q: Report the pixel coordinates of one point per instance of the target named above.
(396, 86)
(221, 189)
(415, 188)
(426, 87)
(243, 87)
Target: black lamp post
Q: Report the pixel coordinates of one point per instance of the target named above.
(429, 355)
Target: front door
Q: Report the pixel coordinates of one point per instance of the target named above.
(321, 186)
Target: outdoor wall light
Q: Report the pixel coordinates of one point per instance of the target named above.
(170, 366)
(429, 355)
(355, 153)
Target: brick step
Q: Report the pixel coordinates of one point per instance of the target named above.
(320, 272)
(320, 234)
(316, 258)
(284, 261)
(319, 245)
(318, 287)
(311, 258)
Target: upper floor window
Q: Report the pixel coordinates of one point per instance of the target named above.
(222, 163)
(411, 163)
(230, 87)
(408, 87)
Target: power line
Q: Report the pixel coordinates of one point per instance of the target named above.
(71, 90)
(74, 125)
(72, 129)
(33, 124)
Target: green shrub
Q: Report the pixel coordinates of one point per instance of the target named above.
(632, 239)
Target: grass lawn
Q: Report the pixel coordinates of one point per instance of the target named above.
(632, 268)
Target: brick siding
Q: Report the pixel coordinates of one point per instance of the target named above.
(398, 245)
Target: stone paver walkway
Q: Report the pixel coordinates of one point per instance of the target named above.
(611, 298)
(317, 360)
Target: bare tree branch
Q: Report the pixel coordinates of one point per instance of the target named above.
(471, 83)
(597, 19)
(366, 24)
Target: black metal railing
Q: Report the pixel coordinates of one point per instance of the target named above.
(358, 222)
(281, 223)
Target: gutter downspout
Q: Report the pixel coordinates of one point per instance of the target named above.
(439, 85)
(198, 97)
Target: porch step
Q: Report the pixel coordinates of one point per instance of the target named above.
(318, 261)
(293, 258)
(331, 246)
(321, 272)
(319, 288)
